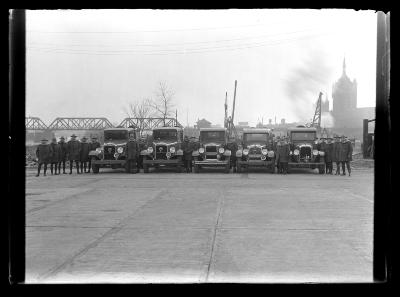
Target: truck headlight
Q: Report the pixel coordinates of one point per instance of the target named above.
(172, 149)
(264, 151)
(290, 153)
(115, 155)
(296, 152)
(150, 149)
(271, 154)
(168, 154)
(120, 150)
(245, 152)
(201, 150)
(221, 150)
(315, 152)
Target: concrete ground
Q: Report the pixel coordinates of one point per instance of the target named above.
(206, 227)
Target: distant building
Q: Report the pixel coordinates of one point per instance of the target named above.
(347, 117)
(202, 124)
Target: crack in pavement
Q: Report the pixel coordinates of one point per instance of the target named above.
(216, 226)
(118, 227)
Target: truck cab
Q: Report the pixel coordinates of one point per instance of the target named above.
(256, 150)
(212, 151)
(304, 151)
(164, 149)
(112, 153)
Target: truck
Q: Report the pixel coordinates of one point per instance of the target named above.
(256, 150)
(112, 153)
(212, 151)
(304, 152)
(164, 149)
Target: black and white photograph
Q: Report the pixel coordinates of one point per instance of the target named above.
(201, 146)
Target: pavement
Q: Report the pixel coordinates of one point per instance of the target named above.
(168, 227)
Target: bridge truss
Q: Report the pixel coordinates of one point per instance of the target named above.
(34, 123)
(144, 124)
(80, 124)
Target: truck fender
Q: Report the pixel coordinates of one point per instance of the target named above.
(94, 153)
(195, 153)
(144, 153)
(239, 153)
(227, 153)
(179, 152)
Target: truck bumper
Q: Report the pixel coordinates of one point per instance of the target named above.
(171, 162)
(109, 163)
(305, 165)
(256, 163)
(213, 163)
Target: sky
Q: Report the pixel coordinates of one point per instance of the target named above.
(93, 63)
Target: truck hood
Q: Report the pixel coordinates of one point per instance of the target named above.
(167, 143)
(115, 142)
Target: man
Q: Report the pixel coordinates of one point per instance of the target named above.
(328, 155)
(335, 153)
(43, 155)
(317, 144)
(84, 154)
(187, 154)
(284, 151)
(63, 154)
(93, 145)
(277, 150)
(322, 148)
(132, 149)
(55, 155)
(73, 148)
(346, 154)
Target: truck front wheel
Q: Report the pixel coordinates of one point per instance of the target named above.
(95, 168)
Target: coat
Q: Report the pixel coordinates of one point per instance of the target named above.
(63, 150)
(283, 153)
(328, 152)
(43, 153)
(132, 149)
(55, 153)
(74, 148)
(187, 148)
(336, 151)
(93, 145)
(346, 152)
(84, 152)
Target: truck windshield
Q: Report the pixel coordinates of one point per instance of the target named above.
(165, 134)
(208, 136)
(255, 137)
(305, 136)
(115, 135)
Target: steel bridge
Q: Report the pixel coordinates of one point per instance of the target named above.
(64, 123)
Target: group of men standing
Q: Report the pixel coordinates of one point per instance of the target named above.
(57, 153)
(337, 150)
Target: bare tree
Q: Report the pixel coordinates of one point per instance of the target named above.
(140, 110)
(163, 103)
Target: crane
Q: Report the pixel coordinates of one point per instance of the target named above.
(316, 121)
(228, 122)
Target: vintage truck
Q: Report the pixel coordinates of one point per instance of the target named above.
(256, 150)
(212, 151)
(165, 149)
(304, 151)
(112, 153)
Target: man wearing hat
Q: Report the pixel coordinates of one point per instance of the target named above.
(336, 152)
(55, 155)
(328, 155)
(283, 153)
(93, 145)
(187, 154)
(63, 154)
(277, 150)
(43, 155)
(346, 154)
(84, 154)
(132, 150)
(73, 148)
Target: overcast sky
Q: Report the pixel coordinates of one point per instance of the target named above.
(94, 62)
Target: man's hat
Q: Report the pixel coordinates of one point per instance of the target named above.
(94, 137)
(73, 135)
(54, 139)
(330, 138)
(84, 137)
(62, 137)
(44, 139)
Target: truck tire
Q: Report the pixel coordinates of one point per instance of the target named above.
(196, 168)
(127, 167)
(227, 168)
(95, 168)
(272, 170)
(321, 169)
(145, 168)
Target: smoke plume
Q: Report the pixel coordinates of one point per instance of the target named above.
(305, 82)
(327, 120)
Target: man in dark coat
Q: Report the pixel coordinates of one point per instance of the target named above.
(43, 155)
(84, 154)
(73, 148)
(187, 148)
(328, 155)
(346, 154)
(93, 145)
(63, 154)
(132, 151)
(277, 146)
(283, 153)
(335, 153)
(55, 155)
(233, 147)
